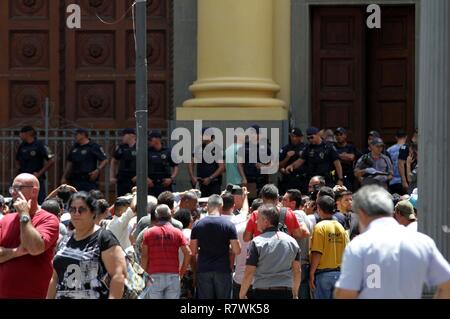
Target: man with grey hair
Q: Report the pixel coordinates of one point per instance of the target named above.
(214, 234)
(388, 261)
(137, 235)
(273, 261)
(160, 256)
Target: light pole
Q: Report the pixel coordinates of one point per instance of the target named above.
(141, 107)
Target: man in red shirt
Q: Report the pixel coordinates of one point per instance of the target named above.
(160, 256)
(27, 242)
(269, 195)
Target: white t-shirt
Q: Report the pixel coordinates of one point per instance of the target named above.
(119, 227)
(388, 261)
(412, 226)
(241, 259)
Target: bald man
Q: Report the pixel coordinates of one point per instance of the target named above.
(27, 243)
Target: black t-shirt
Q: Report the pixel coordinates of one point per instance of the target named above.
(205, 169)
(319, 159)
(80, 268)
(253, 152)
(31, 156)
(84, 158)
(126, 156)
(403, 152)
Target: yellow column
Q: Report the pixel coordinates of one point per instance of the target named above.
(235, 63)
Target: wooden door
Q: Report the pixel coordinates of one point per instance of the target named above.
(29, 61)
(390, 63)
(338, 68)
(100, 60)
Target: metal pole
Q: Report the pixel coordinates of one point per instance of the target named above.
(141, 107)
(46, 125)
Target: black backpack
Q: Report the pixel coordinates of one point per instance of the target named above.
(281, 225)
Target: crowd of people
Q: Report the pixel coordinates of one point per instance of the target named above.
(341, 223)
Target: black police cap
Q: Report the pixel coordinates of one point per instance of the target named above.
(154, 134)
(27, 128)
(128, 131)
(340, 130)
(81, 131)
(297, 132)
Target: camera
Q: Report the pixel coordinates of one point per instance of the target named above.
(313, 194)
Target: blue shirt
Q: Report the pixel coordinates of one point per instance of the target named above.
(231, 166)
(214, 234)
(394, 151)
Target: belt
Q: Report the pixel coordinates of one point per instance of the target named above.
(319, 271)
(273, 288)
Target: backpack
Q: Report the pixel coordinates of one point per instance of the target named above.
(281, 225)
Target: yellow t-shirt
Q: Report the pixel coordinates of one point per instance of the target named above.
(329, 238)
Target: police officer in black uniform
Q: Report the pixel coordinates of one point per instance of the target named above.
(209, 172)
(348, 154)
(252, 171)
(288, 155)
(82, 170)
(125, 157)
(162, 170)
(34, 157)
(319, 158)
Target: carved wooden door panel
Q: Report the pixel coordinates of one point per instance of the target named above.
(29, 60)
(337, 69)
(100, 60)
(391, 73)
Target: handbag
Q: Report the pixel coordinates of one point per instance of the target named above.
(136, 281)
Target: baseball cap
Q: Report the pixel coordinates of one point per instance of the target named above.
(312, 130)
(234, 189)
(406, 209)
(340, 130)
(377, 141)
(297, 132)
(374, 134)
(129, 131)
(27, 128)
(154, 134)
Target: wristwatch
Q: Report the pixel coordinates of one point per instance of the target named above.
(24, 219)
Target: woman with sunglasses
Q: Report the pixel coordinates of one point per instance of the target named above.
(87, 256)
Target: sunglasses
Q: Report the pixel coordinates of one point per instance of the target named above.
(80, 210)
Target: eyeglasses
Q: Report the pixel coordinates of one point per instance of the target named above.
(17, 188)
(80, 210)
(310, 137)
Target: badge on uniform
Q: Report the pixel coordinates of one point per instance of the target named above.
(163, 156)
(133, 153)
(322, 155)
(33, 153)
(84, 152)
(75, 150)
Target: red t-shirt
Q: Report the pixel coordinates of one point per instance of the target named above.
(27, 277)
(163, 242)
(290, 221)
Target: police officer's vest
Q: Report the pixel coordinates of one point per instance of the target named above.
(127, 162)
(158, 163)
